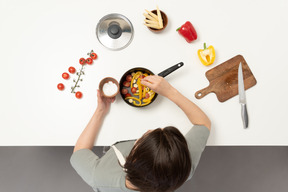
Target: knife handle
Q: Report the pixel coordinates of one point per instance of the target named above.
(244, 115)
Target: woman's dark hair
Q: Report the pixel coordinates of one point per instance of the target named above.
(159, 161)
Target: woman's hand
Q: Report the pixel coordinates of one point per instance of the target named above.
(158, 84)
(104, 103)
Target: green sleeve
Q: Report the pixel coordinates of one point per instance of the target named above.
(85, 161)
(196, 139)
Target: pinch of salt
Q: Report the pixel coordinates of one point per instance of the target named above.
(110, 88)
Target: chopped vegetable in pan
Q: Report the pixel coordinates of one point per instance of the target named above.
(140, 94)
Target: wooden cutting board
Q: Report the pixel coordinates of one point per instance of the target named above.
(224, 79)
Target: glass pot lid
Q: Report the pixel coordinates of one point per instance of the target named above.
(114, 31)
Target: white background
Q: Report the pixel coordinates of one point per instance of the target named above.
(39, 40)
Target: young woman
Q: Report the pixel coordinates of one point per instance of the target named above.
(160, 161)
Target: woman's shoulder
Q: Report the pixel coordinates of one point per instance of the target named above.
(197, 131)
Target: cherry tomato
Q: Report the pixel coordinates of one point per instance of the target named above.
(78, 95)
(126, 83)
(133, 90)
(60, 86)
(82, 61)
(147, 95)
(93, 56)
(89, 61)
(72, 70)
(124, 91)
(65, 75)
(141, 77)
(128, 95)
(129, 78)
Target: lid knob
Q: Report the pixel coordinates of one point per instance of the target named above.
(114, 31)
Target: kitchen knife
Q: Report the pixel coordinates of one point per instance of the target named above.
(242, 97)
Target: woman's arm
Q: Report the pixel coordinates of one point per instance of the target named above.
(87, 138)
(192, 111)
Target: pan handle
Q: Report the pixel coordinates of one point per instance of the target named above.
(171, 69)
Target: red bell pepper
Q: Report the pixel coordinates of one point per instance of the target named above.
(188, 32)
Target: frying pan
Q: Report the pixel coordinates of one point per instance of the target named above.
(144, 70)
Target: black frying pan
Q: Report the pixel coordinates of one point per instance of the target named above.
(144, 70)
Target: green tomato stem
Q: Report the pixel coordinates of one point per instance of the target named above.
(79, 75)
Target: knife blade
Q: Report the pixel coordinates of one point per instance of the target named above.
(242, 97)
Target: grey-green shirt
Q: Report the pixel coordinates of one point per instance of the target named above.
(106, 175)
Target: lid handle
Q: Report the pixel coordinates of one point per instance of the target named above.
(114, 31)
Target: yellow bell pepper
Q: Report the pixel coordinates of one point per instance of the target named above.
(135, 77)
(134, 102)
(150, 98)
(207, 55)
(139, 88)
(135, 99)
(144, 90)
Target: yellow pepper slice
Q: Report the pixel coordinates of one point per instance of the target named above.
(137, 74)
(144, 91)
(143, 104)
(147, 101)
(139, 88)
(133, 98)
(134, 102)
(150, 98)
(207, 55)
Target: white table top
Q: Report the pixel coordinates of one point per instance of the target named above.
(41, 39)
